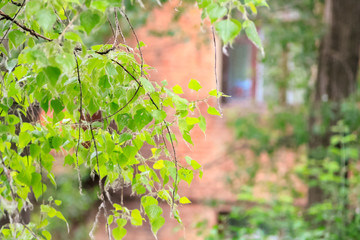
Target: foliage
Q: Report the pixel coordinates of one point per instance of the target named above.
(292, 32)
(99, 109)
(279, 215)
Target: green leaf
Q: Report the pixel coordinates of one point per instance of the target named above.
(12, 120)
(89, 20)
(57, 105)
(153, 211)
(184, 200)
(104, 82)
(37, 186)
(53, 74)
(69, 160)
(228, 30)
(159, 115)
(24, 139)
(60, 216)
(180, 103)
(147, 85)
(215, 93)
(159, 164)
(253, 8)
(46, 19)
(34, 150)
(177, 89)
(194, 85)
(195, 164)
(213, 111)
(46, 234)
(136, 218)
(142, 118)
(110, 219)
(115, 3)
(192, 120)
(73, 37)
(186, 175)
(4, 129)
(56, 142)
(187, 137)
(125, 137)
(202, 123)
(17, 37)
(119, 232)
(215, 12)
(157, 224)
(203, 3)
(252, 34)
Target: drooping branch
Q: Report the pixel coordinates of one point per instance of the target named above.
(97, 162)
(78, 143)
(102, 198)
(16, 3)
(126, 104)
(29, 30)
(16, 14)
(215, 71)
(127, 71)
(167, 128)
(137, 41)
(67, 27)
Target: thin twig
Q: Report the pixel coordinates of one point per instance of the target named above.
(32, 233)
(167, 128)
(111, 115)
(106, 51)
(21, 5)
(16, 3)
(29, 30)
(91, 233)
(215, 71)
(78, 143)
(120, 31)
(97, 162)
(111, 27)
(137, 41)
(102, 198)
(127, 71)
(42, 185)
(175, 157)
(67, 27)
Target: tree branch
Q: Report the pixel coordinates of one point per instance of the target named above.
(78, 143)
(167, 128)
(16, 3)
(29, 30)
(137, 40)
(215, 71)
(16, 14)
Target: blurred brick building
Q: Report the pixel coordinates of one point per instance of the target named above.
(189, 54)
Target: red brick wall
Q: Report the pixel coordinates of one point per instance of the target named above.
(190, 54)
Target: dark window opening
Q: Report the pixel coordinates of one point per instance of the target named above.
(239, 70)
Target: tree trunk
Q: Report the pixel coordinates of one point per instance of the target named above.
(336, 80)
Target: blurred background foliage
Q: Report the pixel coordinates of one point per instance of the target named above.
(292, 34)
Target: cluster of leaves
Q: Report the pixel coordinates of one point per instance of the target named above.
(99, 109)
(224, 14)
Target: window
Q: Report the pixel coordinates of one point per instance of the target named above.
(239, 70)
